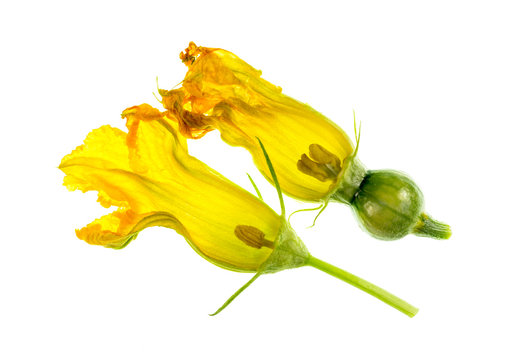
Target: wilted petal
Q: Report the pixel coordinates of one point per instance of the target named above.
(222, 91)
(117, 229)
(149, 174)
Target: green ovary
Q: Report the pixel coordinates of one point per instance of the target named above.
(389, 205)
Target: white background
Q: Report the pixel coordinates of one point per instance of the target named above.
(430, 82)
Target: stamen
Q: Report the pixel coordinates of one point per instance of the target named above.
(322, 164)
(252, 236)
(309, 167)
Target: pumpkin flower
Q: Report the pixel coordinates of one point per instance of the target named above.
(149, 176)
(314, 159)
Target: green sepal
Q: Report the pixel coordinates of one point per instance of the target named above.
(275, 180)
(235, 295)
(255, 187)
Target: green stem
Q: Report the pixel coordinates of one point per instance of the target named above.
(426, 226)
(364, 285)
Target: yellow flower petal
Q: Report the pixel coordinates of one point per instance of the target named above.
(111, 143)
(149, 174)
(222, 91)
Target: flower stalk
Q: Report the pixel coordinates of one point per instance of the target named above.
(364, 285)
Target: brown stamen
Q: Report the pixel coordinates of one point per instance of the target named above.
(252, 236)
(322, 164)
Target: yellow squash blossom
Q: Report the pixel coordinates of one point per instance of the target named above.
(148, 174)
(314, 159)
(221, 91)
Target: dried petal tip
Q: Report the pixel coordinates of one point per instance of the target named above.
(190, 53)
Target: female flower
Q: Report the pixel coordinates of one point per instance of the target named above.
(314, 159)
(149, 175)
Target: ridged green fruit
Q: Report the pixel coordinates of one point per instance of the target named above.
(388, 204)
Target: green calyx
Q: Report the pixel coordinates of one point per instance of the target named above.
(351, 176)
(388, 204)
(289, 253)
